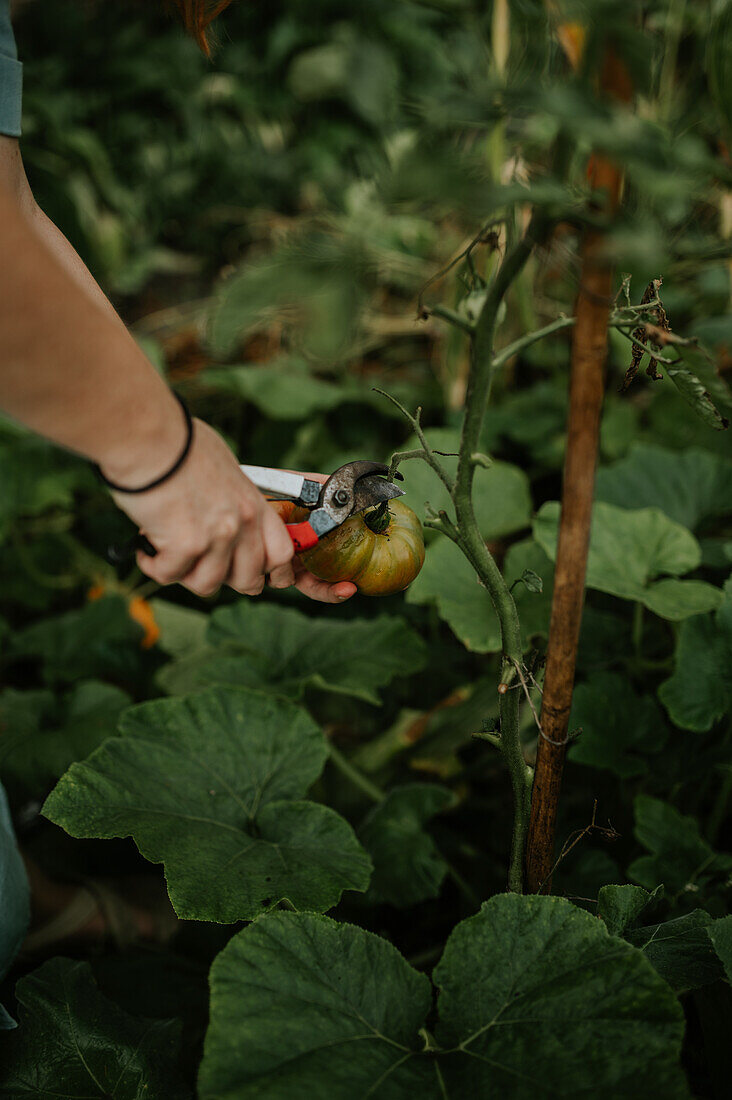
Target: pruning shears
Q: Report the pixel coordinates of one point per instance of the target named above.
(352, 488)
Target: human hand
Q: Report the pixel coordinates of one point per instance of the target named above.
(212, 526)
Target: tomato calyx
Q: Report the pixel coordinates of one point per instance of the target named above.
(378, 519)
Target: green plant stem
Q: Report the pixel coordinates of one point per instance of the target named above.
(529, 338)
(451, 316)
(473, 546)
(667, 79)
(357, 778)
(429, 454)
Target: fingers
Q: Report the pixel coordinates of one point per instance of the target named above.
(323, 591)
(167, 567)
(211, 570)
(247, 567)
(282, 577)
(279, 551)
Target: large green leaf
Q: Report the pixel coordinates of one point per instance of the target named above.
(350, 67)
(536, 1000)
(700, 691)
(182, 629)
(720, 933)
(544, 1002)
(282, 391)
(281, 650)
(450, 582)
(211, 786)
(695, 376)
(619, 728)
(620, 906)
(629, 551)
(38, 746)
(500, 494)
(408, 867)
(35, 477)
(302, 1006)
(690, 487)
(287, 389)
(74, 1044)
(678, 854)
(681, 950)
(316, 280)
(97, 640)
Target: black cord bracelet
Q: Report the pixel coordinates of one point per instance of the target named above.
(169, 473)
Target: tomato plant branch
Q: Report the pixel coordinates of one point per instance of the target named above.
(451, 316)
(427, 453)
(530, 338)
(473, 545)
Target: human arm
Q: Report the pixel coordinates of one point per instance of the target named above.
(72, 373)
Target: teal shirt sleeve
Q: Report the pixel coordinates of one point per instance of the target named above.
(14, 899)
(11, 76)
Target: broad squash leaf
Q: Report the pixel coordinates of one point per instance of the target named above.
(281, 390)
(211, 785)
(544, 1002)
(690, 487)
(681, 950)
(630, 550)
(97, 640)
(182, 629)
(73, 1043)
(287, 389)
(620, 906)
(700, 691)
(536, 999)
(408, 867)
(303, 1006)
(619, 728)
(281, 650)
(316, 281)
(449, 581)
(678, 854)
(720, 933)
(38, 745)
(36, 476)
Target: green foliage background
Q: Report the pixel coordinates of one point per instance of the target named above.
(270, 227)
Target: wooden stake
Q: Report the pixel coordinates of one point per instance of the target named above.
(589, 350)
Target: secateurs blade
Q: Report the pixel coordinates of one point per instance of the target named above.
(350, 489)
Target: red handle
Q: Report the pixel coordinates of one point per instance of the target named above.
(302, 535)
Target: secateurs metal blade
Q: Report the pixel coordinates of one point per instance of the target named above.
(352, 488)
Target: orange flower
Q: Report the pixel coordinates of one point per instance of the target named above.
(139, 610)
(142, 613)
